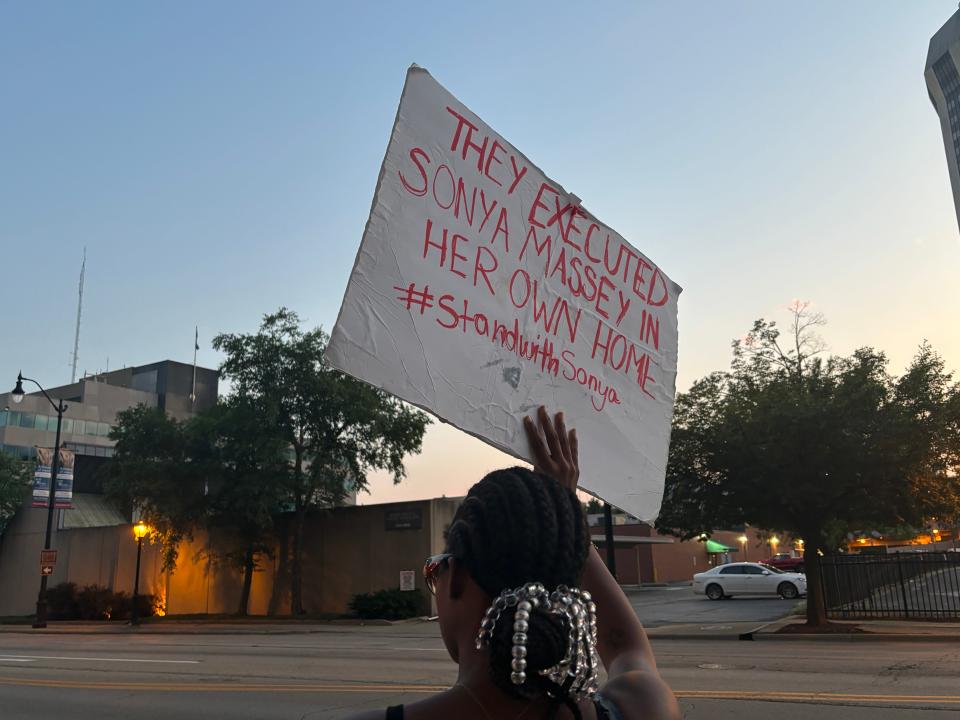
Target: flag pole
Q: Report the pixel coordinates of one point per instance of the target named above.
(196, 346)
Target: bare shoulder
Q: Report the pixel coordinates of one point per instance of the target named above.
(642, 695)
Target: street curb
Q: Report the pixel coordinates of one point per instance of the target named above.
(865, 636)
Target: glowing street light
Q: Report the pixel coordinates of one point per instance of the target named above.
(743, 545)
(139, 531)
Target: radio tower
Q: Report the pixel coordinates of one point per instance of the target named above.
(76, 335)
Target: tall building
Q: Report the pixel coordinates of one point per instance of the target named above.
(943, 85)
(93, 404)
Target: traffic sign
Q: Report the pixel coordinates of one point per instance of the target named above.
(46, 569)
(48, 557)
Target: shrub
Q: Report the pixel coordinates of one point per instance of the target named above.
(98, 603)
(92, 602)
(62, 602)
(388, 604)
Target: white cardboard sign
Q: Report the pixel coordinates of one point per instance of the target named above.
(483, 289)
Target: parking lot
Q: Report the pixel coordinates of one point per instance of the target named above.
(676, 604)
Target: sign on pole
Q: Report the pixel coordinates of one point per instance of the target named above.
(483, 289)
(41, 479)
(407, 580)
(48, 557)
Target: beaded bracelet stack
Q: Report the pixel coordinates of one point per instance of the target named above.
(576, 673)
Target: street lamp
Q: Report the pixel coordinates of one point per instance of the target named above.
(743, 545)
(139, 530)
(60, 407)
(774, 541)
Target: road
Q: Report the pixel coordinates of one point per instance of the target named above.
(331, 671)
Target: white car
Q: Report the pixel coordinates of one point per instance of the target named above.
(746, 578)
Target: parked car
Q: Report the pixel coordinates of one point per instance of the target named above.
(785, 561)
(746, 578)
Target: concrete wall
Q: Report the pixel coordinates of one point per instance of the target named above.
(346, 551)
(105, 556)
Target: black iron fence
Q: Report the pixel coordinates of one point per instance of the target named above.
(909, 586)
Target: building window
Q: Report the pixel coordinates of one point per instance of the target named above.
(27, 419)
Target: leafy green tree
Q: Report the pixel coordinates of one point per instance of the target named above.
(222, 471)
(814, 446)
(337, 428)
(14, 487)
(593, 506)
(245, 466)
(152, 471)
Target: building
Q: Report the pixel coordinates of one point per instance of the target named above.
(943, 86)
(93, 405)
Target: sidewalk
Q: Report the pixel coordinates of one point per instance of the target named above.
(253, 626)
(871, 630)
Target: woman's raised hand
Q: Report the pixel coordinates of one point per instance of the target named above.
(554, 448)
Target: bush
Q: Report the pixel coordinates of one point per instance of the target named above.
(99, 603)
(62, 602)
(92, 602)
(388, 604)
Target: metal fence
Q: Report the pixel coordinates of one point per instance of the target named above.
(909, 586)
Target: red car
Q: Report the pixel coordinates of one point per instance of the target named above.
(785, 562)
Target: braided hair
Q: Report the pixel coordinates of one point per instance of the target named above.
(515, 527)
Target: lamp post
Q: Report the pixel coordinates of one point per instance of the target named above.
(60, 407)
(139, 530)
(774, 541)
(743, 545)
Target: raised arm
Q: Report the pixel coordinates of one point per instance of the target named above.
(634, 683)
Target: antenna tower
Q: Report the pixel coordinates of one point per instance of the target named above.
(76, 335)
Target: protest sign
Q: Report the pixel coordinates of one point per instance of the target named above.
(483, 289)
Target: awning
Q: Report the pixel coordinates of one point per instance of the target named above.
(714, 547)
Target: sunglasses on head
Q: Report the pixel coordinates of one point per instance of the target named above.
(432, 568)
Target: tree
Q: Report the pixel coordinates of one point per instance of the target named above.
(337, 428)
(593, 506)
(221, 471)
(152, 471)
(14, 487)
(792, 441)
(245, 466)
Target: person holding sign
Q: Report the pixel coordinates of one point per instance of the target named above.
(527, 608)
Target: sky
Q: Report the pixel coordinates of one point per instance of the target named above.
(217, 161)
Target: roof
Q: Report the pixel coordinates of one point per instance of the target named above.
(714, 547)
(91, 510)
(944, 37)
(632, 540)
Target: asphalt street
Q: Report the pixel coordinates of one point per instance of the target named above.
(274, 672)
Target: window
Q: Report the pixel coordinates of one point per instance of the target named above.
(732, 570)
(752, 570)
(52, 424)
(79, 427)
(68, 426)
(103, 429)
(4, 414)
(26, 420)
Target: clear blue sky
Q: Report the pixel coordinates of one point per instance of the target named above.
(218, 160)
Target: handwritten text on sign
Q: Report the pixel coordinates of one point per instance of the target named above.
(483, 289)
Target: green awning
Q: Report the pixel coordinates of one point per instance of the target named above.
(714, 547)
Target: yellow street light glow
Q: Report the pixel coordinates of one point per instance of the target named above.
(742, 538)
(139, 530)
